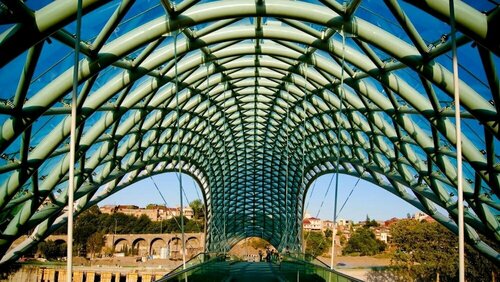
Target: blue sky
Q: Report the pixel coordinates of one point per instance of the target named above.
(367, 199)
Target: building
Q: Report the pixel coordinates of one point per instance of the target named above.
(384, 237)
(382, 234)
(421, 216)
(327, 224)
(391, 221)
(344, 222)
(155, 213)
(312, 224)
(168, 213)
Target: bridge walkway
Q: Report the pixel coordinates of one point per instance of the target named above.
(254, 271)
(218, 268)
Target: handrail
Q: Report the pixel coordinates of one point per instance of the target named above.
(296, 259)
(306, 257)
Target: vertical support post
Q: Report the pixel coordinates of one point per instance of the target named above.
(179, 151)
(182, 221)
(334, 228)
(302, 183)
(72, 149)
(301, 223)
(341, 92)
(456, 90)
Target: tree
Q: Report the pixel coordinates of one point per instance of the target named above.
(477, 268)
(370, 222)
(316, 243)
(424, 249)
(198, 208)
(363, 242)
(142, 225)
(50, 250)
(328, 233)
(95, 243)
(153, 206)
(342, 240)
(86, 224)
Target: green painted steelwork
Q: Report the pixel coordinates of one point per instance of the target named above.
(258, 112)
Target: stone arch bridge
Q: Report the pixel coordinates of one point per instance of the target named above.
(150, 244)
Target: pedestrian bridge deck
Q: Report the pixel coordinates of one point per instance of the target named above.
(289, 269)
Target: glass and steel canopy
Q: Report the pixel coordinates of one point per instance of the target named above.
(256, 98)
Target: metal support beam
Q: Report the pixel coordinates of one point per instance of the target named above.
(45, 22)
(476, 25)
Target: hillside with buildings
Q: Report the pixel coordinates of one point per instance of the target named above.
(153, 212)
(346, 227)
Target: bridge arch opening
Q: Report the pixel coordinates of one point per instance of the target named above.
(357, 198)
(175, 248)
(140, 247)
(252, 249)
(193, 247)
(158, 248)
(360, 198)
(122, 245)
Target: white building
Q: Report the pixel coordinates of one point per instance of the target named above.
(312, 224)
(344, 222)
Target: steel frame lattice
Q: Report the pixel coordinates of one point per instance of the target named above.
(258, 110)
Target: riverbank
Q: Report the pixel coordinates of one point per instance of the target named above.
(358, 267)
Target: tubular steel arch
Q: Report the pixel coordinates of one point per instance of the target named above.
(257, 80)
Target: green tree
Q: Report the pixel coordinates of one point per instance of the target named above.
(95, 243)
(198, 208)
(154, 206)
(363, 242)
(316, 243)
(86, 224)
(370, 222)
(423, 249)
(192, 226)
(141, 225)
(477, 268)
(50, 250)
(328, 233)
(342, 240)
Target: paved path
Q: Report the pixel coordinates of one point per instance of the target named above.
(254, 272)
